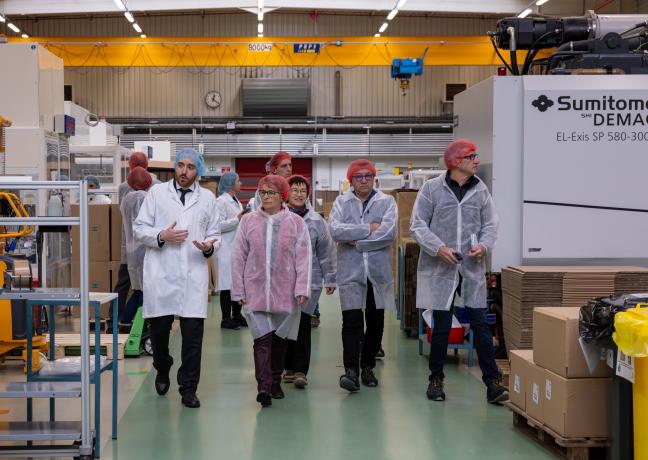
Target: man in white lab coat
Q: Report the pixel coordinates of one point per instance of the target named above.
(179, 225)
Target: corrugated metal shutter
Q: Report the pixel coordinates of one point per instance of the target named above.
(275, 97)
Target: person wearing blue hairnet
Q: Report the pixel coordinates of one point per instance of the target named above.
(179, 225)
(230, 211)
(96, 198)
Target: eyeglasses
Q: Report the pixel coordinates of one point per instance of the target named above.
(471, 157)
(270, 193)
(299, 191)
(362, 177)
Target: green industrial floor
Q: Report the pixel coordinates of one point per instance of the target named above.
(393, 421)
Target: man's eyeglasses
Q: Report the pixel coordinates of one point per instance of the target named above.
(270, 193)
(299, 191)
(362, 177)
(471, 157)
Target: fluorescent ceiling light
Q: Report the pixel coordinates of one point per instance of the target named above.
(14, 28)
(25, 36)
(377, 35)
(383, 27)
(2, 18)
(524, 13)
(392, 14)
(400, 4)
(260, 4)
(541, 2)
(143, 35)
(137, 28)
(260, 15)
(129, 16)
(260, 28)
(260, 35)
(120, 5)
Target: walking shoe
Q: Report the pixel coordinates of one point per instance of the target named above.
(300, 380)
(381, 353)
(191, 401)
(496, 393)
(349, 381)
(230, 324)
(264, 399)
(315, 321)
(368, 377)
(162, 383)
(276, 392)
(435, 390)
(289, 377)
(240, 321)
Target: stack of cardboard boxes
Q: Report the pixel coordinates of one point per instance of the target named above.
(104, 244)
(552, 384)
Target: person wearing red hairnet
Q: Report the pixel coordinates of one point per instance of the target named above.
(139, 181)
(123, 285)
(363, 223)
(271, 277)
(281, 165)
(455, 224)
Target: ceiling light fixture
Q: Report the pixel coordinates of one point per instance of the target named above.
(541, 2)
(137, 28)
(260, 4)
(383, 27)
(525, 13)
(400, 4)
(260, 28)
(392, 14)
(13, 27)
(260, 15)
(2, 18)
(143, 36)
(120, 5)
(260, 35)
(377, 35)
(129, 16)
(25, 36)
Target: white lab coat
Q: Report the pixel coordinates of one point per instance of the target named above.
(228, 211)
(176, 276)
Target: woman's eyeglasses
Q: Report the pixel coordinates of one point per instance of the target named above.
(270, 193)
(362, 177)
(471, 157)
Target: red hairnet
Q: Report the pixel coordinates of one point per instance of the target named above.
(138, 159)
(276, 183)
(359, 165)
(457, 150)
(276, 160)
(139, 179)
(297, 179)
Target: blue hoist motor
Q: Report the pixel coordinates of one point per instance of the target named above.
(405, 69)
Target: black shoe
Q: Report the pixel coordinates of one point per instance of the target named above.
(435, 390)
(276, 392)
(368, 377)
(264, 399)
(162, 383)
(315, 321)
(496, 393)
(190, 400)
(229, 323)
(381, 353)
(240, 321)
(349, 381)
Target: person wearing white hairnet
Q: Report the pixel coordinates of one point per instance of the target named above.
(139, 181)
(178, 223)
(230, 211)
(96, 198)
(298, 352)
(281, 165)
(455, 224)
(363, 222)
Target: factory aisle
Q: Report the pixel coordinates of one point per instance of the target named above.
(393, 421)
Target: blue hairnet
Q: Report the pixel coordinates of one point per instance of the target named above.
(227, 182)
(94, 180)
(195, 157)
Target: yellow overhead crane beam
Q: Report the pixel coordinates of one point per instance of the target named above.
(169, 52)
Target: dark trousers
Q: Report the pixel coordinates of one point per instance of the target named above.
(121, 288)
(483, 343)
(136, 300)
(269, 355)
(298, 352)
(192, 335)
(229, 308)
(356, 350)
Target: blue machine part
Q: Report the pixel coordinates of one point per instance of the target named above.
(408, 67)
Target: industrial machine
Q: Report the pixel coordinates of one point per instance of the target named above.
(405, 69)
(590, 44)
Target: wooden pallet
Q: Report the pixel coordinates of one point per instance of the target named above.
(569, 448)
(70, 344)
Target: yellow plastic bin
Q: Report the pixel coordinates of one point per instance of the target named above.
(631, 336)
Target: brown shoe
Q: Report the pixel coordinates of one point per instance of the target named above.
(300, 380)
(289, 377)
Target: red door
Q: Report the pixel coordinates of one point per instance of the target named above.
(250, 170)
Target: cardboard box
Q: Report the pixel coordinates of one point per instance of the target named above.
(98, 233)
(115, 232)
(555, 344)
(576, 408)
(102, 276)
(521, 362)
(535, 392)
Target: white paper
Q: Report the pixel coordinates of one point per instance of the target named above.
(516, 384)
(548, 389)
(536, 393)
(625, 367)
